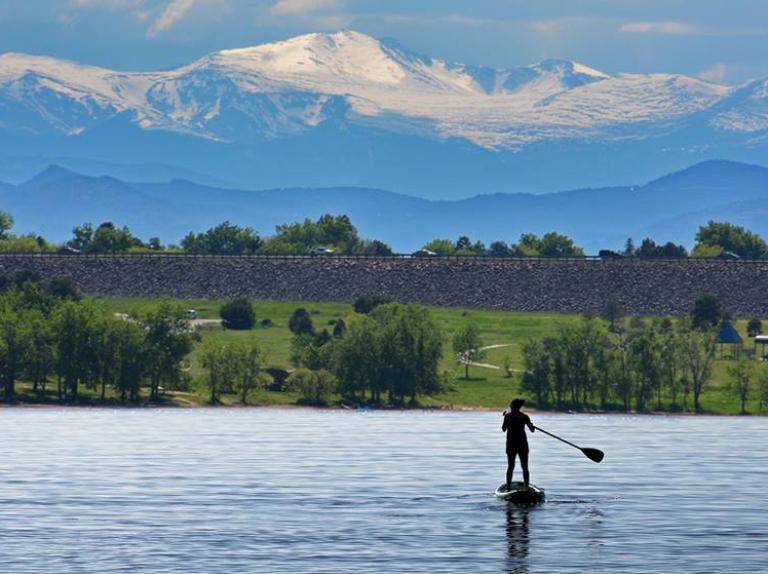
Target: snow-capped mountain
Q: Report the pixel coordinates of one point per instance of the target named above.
(297, 93)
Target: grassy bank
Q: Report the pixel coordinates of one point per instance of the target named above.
(487, 387)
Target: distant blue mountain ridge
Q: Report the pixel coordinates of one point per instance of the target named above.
(670, 208)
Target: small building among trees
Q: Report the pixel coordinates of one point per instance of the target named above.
(728, 335)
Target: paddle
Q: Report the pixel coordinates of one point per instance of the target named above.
(592, 454)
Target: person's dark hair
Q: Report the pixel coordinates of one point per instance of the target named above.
(516, 403)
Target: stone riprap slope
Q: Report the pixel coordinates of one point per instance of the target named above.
(660, 287)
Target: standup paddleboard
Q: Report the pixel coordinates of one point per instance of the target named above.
(518, 494)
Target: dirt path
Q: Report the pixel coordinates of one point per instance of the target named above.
(488, 365)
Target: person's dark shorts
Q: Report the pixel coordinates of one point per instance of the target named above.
(514, 449)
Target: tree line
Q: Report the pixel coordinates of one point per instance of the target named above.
(337, 234)
(643, 365)
(391, 354)
(61, 343)
(48, 331)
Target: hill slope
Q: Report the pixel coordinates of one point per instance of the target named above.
(669, 208)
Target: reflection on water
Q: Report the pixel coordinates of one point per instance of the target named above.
(517, 539)
(307, 492)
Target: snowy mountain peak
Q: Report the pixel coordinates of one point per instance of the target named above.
(286, 88)
(347, 55)
(568, 68)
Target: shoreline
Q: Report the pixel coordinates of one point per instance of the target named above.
(288, 407)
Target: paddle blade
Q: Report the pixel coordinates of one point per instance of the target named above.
(593, 454)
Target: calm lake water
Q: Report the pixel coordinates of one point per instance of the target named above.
(301, 491)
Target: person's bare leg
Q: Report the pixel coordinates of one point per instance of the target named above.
(510, 469)
(524, 465)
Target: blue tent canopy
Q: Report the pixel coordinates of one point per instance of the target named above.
(728, 334)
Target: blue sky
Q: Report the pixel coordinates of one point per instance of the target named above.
(719, 40)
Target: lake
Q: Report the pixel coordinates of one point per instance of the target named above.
(231, 491)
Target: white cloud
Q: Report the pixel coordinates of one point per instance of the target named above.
(669, 27)
(112, 4)
(556, 25)
(717, 74)
(174, 12)
(301, 7)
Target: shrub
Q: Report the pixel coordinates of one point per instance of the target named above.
(314, 387)
(266, 322)
(64, 288)
(238, 315)
(300, 323)
(707, 312)
(366, 304)
(754, 327)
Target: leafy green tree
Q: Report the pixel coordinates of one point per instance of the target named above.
(742, 375)
(238, 315)
(299, 344)
(506, 365)
(103, 352)
(223, 239)
(762, 389)
(64, 288)
(368, 303)
(373, 248)
(251, 359)
(707, 312)
(730, 237)
(314, 387)
(280, 246)
(649, 249)
(467, 345)
(646, 366)
(334, 231)
(536, 378)
(40, 359)
(754, 327)
(612, 313)
(549, 245)
(441, 247)
(395, 350)
(73, 325)
(529, 245)
(106, 238)
(464, 246)
(556, 245)
(110, 239)
(706, 252)
(356, 360)
(6, 224)
(669, 366)
(300, 322)
(339, 329)
(132, 360)
(698, 351)
(82, 237)
(500, 249)
(15, 342)
(167, 343)
(410, 344)
(214, 361)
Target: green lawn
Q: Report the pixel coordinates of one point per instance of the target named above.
(487, 388)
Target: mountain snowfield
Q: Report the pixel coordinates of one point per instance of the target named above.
(352, 83)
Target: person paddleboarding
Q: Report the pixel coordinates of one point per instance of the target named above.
(514, 425)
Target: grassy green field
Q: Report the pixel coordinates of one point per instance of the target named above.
(487, 387)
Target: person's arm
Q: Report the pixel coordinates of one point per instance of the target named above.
(504, 424)
(530, 424)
